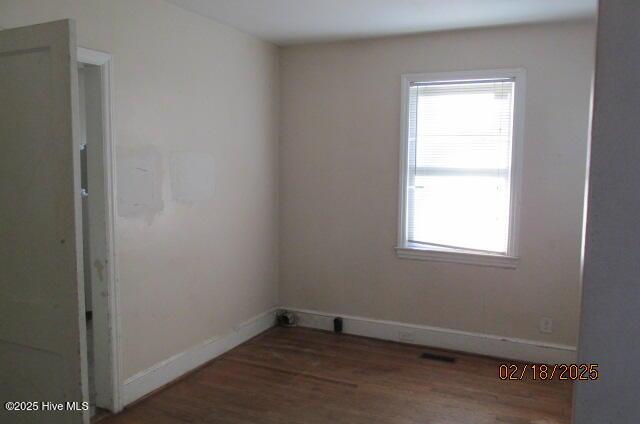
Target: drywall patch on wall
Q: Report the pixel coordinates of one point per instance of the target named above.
(192, 176)
(139, 182)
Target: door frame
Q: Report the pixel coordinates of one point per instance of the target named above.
(105, 62)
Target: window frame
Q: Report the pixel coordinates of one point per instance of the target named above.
(407, 250)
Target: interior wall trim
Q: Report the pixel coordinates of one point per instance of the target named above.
(443, 338)
(164, 372)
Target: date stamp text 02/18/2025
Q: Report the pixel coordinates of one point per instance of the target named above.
(562, 372)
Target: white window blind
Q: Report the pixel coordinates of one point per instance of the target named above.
(459, 165)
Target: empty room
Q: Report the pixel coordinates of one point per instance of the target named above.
(319, 211)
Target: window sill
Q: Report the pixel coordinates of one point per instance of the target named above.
(457, 256)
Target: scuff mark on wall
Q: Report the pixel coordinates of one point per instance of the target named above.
(192, 176)
(139, 173)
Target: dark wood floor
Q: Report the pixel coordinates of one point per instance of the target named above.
(306, 376)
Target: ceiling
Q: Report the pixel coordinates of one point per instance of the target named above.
(298, 21)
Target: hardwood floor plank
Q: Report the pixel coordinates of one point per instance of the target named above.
(296, 375)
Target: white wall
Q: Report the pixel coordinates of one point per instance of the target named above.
(196, 262)
(609, 332)
(340, 127)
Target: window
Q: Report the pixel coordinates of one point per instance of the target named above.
(460, 164)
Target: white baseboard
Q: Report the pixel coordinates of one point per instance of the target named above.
(477, 343)
(168, 370)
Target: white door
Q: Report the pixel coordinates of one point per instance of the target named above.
(42, 343)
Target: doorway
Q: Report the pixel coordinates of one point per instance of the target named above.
(43, 342)
(101, 314)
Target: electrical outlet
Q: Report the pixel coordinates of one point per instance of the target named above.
(546, 325)
(406, 337)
